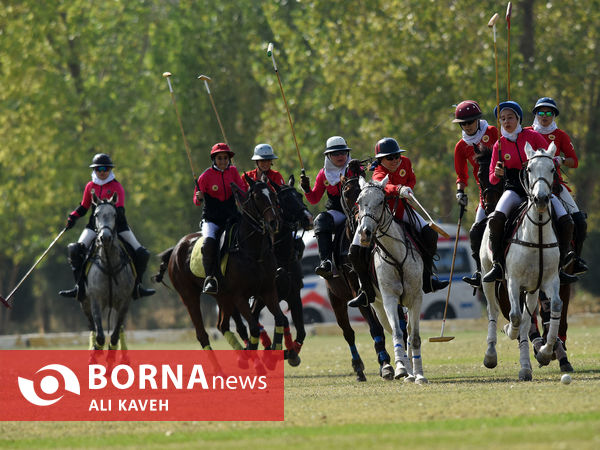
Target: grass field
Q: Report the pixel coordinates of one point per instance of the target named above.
(464, 406)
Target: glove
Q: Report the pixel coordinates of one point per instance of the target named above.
(71, 221)
(462, 198)
(304, 183)
(405, 191)
(558, 160)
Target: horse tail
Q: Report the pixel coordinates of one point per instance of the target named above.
(164, 256)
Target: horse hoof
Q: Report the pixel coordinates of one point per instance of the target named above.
(525, 375)
(565, 365)
(490, 361)
(360, 376)
(387, 372)
(410, 379)
(421, 380)
(401, 372)
(293, 359)
(358, 365)
(113, 347)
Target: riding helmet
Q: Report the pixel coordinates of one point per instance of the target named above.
(546, 101)
(510, 105)
(336, 144)
(221, 147)
(101, 159)
(467, 111)
(387, 146)
(263, 151)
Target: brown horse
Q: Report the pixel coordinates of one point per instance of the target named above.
(250, 272)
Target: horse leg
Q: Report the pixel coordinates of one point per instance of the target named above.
(114, 338)
(490, 360)
(225, 312)
(97, 315)
(561, 354)
(390, 303)
(386, 371)
(340, 309)
(240, 327)
(414, 314)
(515, 316)
(545, 353)
(524, 360)
(191, 300)
(295, 304)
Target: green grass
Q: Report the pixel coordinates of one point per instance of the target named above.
(464, 406)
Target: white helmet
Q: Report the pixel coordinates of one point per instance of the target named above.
(263, 151)
(336, 144)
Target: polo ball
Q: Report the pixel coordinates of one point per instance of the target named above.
(565, 379)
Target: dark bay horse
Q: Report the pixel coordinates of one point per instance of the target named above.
(110, 279)
(344, 287)
(251, 270)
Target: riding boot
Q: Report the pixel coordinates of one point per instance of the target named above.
(496, 225)
(579, 233)
(324, 269)
(564, 228)
(359, 258)
(76, 252)
(476, 236)
(210, 261)
(429, 239)
(140, 261)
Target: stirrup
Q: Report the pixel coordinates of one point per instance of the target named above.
(495, 274)
(324, 269)
(565, 278)
(579, 267)
(362, 299)
(69, 293)
(474, 280)
(211, 286)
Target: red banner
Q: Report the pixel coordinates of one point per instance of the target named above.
(141, 385)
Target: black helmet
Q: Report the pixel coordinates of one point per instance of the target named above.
(101, 159)
(387, 146)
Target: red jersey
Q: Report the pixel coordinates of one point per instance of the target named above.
(464, 153)
(403, 176)
(219, 203)
(272, 175)
(103, 192)
(564, 146)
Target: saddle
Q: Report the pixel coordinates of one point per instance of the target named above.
(228, 243)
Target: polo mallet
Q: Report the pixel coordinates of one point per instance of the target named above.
(492, 25)
(270, 54)
(441, 337)
(508, 12)
(167, 75)
(6, 301)
(432, 224)
(206, 81)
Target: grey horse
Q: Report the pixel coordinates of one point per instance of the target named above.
(110, 279)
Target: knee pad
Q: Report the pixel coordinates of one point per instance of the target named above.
(76, 252)
(324, 223)
(579, 220)
(142, 254)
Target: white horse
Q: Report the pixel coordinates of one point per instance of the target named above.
(110, 280)
(531, 264)
(399, 270)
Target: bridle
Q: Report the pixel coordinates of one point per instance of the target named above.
(255, 216)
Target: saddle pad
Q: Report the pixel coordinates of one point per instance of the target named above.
(196, 266)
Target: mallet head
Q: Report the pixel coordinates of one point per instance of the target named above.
(270, 49)
(167, 74)
(204, 78)
(493, 20)
(508, 11)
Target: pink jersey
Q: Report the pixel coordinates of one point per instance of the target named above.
(103, 192)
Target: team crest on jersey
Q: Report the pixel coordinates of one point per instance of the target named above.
(215, 187)
(507, 156)
(326, 183)
(485, 138)
(551, 137)
(402, 172)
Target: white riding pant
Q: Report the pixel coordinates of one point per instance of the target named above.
(510, 200)
(210, 230)
(88, 235)
(405, 218)
(338, 216)
(480, 214)
(566, 199)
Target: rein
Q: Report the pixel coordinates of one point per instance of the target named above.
(540, 223)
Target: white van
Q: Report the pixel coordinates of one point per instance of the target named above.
(461, 305)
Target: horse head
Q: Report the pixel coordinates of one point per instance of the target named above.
(259, 205)
(371, 207)
(105, 217)
(293, 210)
(539, 175)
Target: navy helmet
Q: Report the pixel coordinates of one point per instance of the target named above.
(510, 105)
(545, 101)
(387, 146)
(101, 159)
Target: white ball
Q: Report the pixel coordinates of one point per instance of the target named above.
(565, 379)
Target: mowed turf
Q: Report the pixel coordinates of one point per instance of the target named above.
(465, 405)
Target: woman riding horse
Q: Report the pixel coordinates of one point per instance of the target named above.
(104, 185)
(508, 159)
